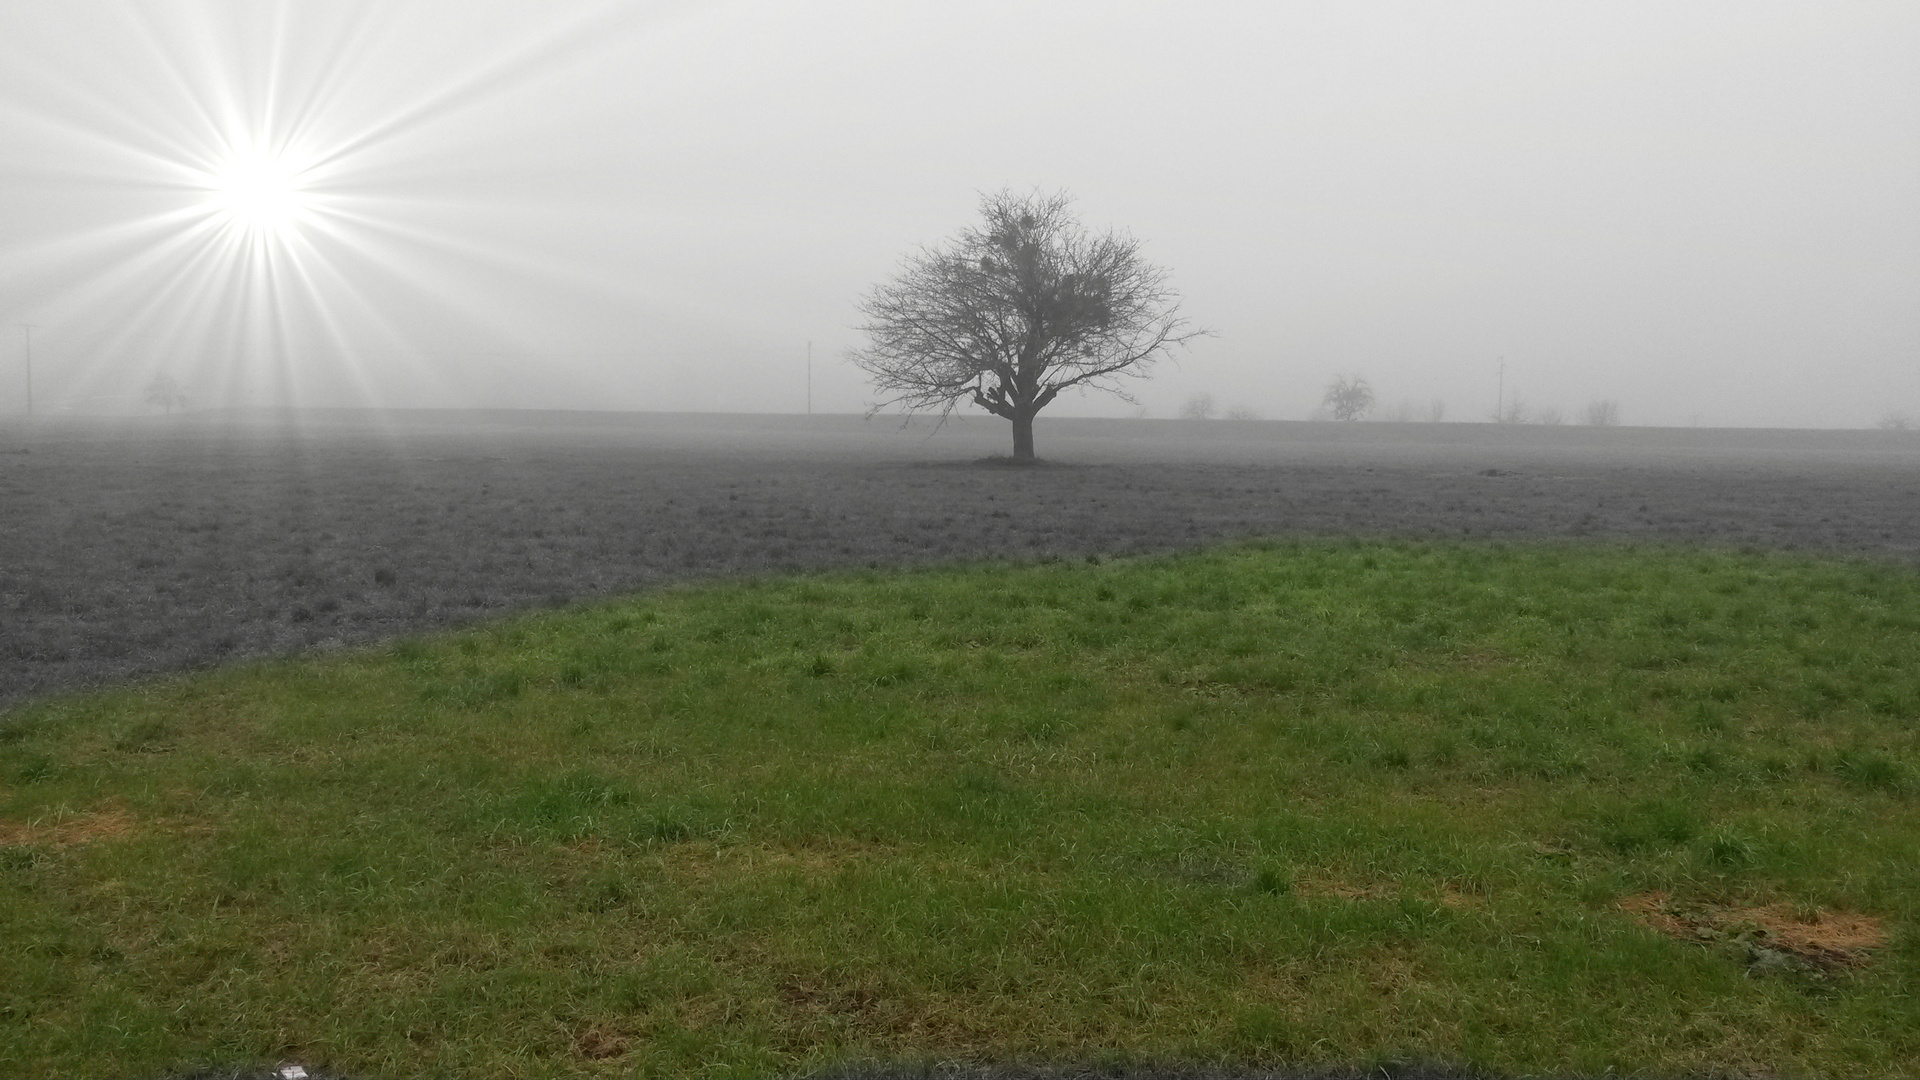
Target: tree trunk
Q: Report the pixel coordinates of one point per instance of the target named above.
(1022, 436)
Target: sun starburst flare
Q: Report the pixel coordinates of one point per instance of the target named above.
(261, 192)
(296, 209)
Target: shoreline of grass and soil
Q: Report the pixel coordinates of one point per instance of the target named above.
(165, 544)
(1535, 808)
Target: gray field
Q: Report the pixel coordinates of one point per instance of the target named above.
(146, 546)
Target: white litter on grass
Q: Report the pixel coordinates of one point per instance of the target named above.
(292, 1072)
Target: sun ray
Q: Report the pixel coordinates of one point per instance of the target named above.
(594, 29)
(269, 225)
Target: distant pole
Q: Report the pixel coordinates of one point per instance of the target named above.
(1500, 395)
(26, 334)
(809, 378)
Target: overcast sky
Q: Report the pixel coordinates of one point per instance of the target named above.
(1708, 212)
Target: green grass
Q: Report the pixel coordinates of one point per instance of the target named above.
(1331, 803)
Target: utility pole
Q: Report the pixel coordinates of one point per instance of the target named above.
(809, 378)
(26, 334)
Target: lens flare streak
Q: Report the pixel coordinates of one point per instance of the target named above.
(260, 249)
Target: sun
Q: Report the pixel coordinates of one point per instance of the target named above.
(260, 192)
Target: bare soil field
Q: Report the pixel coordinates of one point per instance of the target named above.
(138, 547)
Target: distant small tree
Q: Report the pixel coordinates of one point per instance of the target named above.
(163, 392)
(1514, 412)
(1897, 422)
(1549, 417)
(1198, 407)
(1603, 413)
(1348, 397)
(1243, 414)
(1436, 411)
(1016, 310)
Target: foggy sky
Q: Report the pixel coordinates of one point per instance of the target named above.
(1708, 212)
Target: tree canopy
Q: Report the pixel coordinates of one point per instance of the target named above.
(1015, 310)
(163, 391)
(1349, 397)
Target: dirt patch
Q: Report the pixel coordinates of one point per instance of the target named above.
(1481, 660)
(1461, 898)
(600, 1042)
(1773, 935)
(1342, 890)
(111, 824)
(1448, 894)
(703, 862)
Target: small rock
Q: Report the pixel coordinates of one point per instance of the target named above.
(1764, 961)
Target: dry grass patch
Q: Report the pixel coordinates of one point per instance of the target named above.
(1822, 940)
(600, 1042)
(109, 823)
(1344, 890)
(1479, 660)
(1460, 896)
(821, 859)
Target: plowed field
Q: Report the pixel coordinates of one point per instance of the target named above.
(143, 547)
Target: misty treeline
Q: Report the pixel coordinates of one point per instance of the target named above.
(1029, 303)
(1349, 398)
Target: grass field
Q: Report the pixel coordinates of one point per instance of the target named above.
(1554, 808)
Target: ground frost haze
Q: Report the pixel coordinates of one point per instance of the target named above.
(151, 546)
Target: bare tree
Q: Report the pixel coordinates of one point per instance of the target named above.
(1436, 411)
(1015, 310)
(1550, 417)
(1198, 407)
(1348, 397)
(1513, 412)
(1603, 413)
(164, 392)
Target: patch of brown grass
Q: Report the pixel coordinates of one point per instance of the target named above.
(600, 1042)
(1447, 893)
(112, 823)
(1320, 888)
(1824, 939)
(1460, 897)
(1480, 660)
(702, 862)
